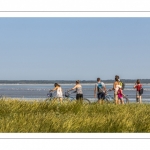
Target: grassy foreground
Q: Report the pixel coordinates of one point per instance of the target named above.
(43, 117)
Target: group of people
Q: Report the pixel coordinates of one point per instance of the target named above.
(100, 91)
(77, 88)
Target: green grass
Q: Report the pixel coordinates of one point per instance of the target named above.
(45, 117)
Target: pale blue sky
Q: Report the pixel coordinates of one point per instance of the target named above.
(74, 48)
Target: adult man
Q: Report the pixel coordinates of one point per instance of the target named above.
(100, 90)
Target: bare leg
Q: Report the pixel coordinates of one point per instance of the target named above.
(116, 98)
(122, 101)
(100, 101)
(60, 99)
(137, 99)
(140, 99)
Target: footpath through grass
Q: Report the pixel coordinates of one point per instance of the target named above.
(44, 117)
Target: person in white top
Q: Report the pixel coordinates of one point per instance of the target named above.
(59, 93)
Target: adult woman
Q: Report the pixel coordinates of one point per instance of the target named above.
(138, 86)
(59, 93)
(116, 87)
(78, 88)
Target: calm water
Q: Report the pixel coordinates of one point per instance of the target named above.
(39, 91)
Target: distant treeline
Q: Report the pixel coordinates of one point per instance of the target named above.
(66, 81)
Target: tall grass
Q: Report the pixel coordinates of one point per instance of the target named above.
(45, 117)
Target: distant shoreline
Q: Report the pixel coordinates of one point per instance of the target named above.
(64, 83)
(126, 81)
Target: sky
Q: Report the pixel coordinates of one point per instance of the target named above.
(74, 48)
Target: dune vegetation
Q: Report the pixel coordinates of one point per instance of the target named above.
(18, 116)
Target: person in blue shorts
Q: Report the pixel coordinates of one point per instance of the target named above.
(100, 90)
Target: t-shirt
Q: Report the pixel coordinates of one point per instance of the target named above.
(138, 87)
(100, 86)
(79, 90)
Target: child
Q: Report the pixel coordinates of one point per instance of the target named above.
(120, 96)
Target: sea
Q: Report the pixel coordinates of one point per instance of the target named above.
(39, 91)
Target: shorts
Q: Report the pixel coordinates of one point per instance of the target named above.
(79, 96)
(101, 95)
(138, 93)
(120, 98)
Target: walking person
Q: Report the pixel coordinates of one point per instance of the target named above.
(100, 90)
(59, 93)
(79, 93)
(138, 87)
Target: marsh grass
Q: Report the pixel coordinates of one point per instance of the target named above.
(45, 117)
